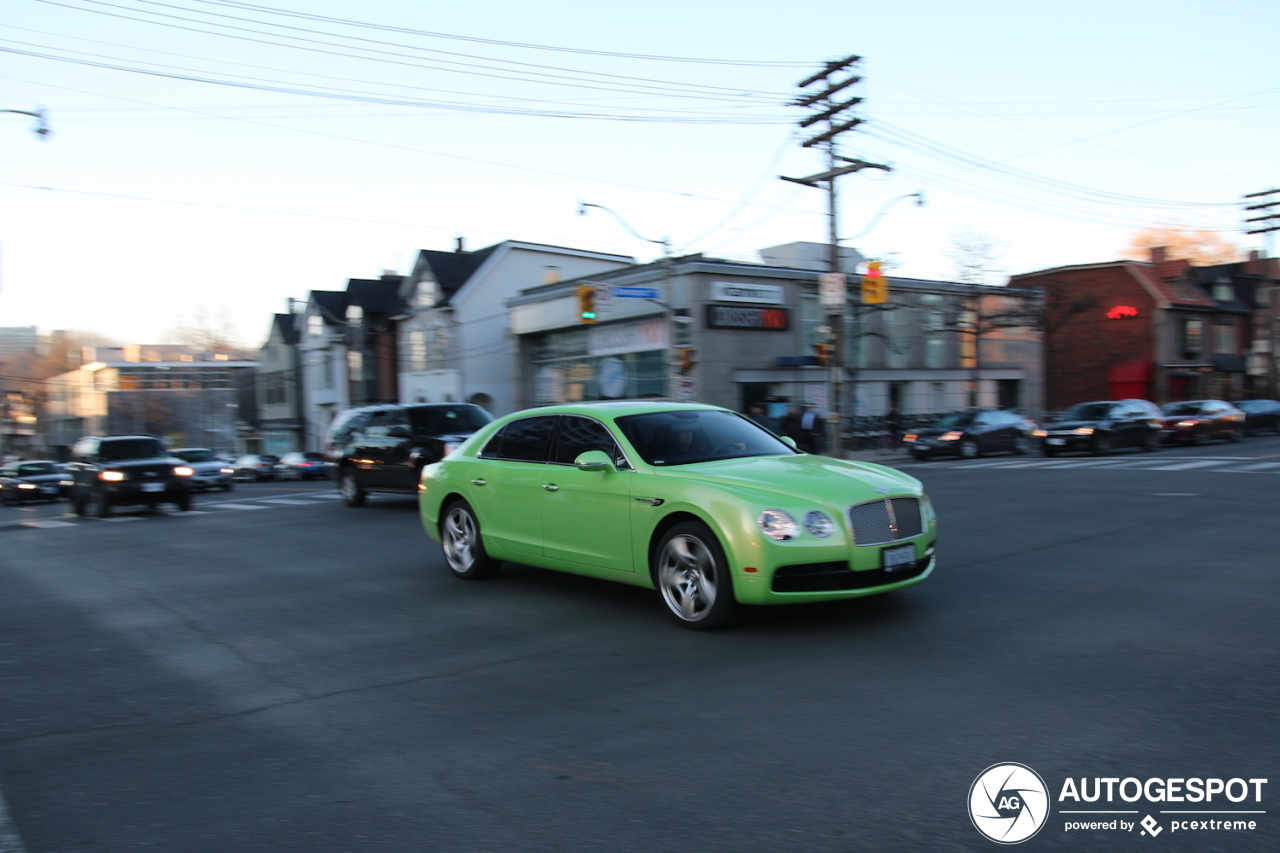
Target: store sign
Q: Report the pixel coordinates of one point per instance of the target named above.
(735, 317)
(769, 294)
(1120, 311)
(627, 337)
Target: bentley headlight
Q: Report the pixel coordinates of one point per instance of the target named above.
(927, 515)
(819, 524)
(777, 524)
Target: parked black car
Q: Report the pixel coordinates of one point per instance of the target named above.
(972, 433)
(301, 465)
(108, 471)
(34, 480)
(1102, 426)
(383, 448)
(1260, 415)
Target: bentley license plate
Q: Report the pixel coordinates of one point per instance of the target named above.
(898, 557)
(1055, 441)
(153, 487)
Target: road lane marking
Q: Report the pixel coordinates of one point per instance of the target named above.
(240, 506)
(1183, 466)
(45, 523)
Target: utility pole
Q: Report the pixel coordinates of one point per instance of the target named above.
(829, 112)
(1267, 224)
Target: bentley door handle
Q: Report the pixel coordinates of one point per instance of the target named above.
(479, 482)
(551, 487)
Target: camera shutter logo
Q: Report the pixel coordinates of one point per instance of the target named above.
(1008, 803)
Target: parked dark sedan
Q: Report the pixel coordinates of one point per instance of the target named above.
(972, 433)
(1102, 426)
(301, 465)
(1201, 421)
(37, 480)
(1260, 415)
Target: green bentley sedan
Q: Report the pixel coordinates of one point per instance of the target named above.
(695, 501)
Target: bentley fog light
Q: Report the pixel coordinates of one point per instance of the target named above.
(819, 524)
(777, 524)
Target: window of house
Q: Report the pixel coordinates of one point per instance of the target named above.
(417, 350)
(1224, 336)
(1224, 292)
(1192, 338)
(315, 325)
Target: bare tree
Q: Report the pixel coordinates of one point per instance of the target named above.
(206, 331)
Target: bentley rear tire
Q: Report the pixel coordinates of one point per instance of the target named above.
(463, 544)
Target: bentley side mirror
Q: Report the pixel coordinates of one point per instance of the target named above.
(593, 460)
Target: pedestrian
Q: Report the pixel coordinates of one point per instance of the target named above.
(811, 429)
(892, 426)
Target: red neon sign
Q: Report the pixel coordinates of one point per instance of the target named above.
(1120, 311)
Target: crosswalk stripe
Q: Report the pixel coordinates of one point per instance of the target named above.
(1182, 466)
(240, 506)
(46, 523)
(289, 501)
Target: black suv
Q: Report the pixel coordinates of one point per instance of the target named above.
(383, 448)
(1101, 426)
(108, 471)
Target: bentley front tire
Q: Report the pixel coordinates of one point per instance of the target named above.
(692, 575)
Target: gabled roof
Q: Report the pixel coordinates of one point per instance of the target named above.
(332, 305)
(1161, 278)
(286, 325)
(375, 296)
(449, 270)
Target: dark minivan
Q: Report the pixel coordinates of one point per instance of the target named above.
(383, 448)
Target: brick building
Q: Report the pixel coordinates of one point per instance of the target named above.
(1163, 330)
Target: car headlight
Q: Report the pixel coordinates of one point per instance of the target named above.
(226, 470)
(819, 524)
(1186, 423)
(1083, 431)
(950, 436)
(777, 524)
(911, 436)
(112, 476)
(1040, 433)
(26, 485)
(183, 471)
(927, 515)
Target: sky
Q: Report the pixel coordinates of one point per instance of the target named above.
(211, 159)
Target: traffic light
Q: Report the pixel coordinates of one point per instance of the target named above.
(823, 353)
(874, 287)
(685, 358)
(586, 303)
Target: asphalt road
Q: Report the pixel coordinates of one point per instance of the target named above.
(306, 677)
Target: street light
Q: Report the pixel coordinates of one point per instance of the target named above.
(42, 128)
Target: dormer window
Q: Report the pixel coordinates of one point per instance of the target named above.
(315, 325)
(1223, 292)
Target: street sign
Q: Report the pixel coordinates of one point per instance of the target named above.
(604, 292)
(831, 286)
(635, 292)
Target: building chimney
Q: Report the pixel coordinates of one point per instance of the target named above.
(457, 244)
(1158, 254)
